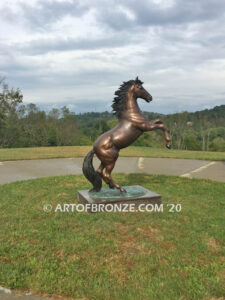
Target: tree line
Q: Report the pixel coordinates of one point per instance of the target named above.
(29, 126)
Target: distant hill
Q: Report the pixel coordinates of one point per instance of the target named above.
(200, 130)
(215, 116)
(29, 126)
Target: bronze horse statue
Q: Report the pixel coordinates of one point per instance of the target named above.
(132, 124)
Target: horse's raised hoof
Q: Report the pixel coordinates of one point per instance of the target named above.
(168, 145)
(158, 121)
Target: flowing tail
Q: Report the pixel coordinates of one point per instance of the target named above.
(90, 173)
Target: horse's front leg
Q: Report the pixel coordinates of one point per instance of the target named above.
(158, 124)
(157, 121)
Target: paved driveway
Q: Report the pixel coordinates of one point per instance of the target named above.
(6, 294)
(27, 169)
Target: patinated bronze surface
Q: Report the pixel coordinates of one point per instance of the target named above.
(132, 124)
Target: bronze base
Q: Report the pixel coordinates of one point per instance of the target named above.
(150, 200)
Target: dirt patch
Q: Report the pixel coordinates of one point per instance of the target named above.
(129, 246)
(215, 298)
(68, 185)
(62, 195)
(212, 244)
(122, 228)
(152, 233)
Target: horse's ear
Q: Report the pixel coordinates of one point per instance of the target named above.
(136, 80)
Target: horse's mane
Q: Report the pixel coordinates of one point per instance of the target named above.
(119, 101)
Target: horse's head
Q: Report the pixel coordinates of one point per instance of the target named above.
(139, 91)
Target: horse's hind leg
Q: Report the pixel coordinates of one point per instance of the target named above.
(107, 177)
(100, 169)
(100, 172)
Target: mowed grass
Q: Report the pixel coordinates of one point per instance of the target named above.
(81, 151)
(162, 255)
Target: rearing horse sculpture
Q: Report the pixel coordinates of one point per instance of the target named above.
(132, 124)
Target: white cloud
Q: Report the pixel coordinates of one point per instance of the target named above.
(164, 3)
(79, 52)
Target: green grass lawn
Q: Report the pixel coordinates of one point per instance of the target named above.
(80, 151)
(114, 255)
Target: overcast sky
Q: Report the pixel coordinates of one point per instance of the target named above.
(77, 52)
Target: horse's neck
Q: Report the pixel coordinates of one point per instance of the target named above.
(131, 104)
(133, 112)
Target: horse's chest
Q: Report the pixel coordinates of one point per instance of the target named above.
(126, 135)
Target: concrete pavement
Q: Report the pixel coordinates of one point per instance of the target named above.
(29, 169)
(6, 294)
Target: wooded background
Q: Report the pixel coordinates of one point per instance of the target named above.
(29, 126)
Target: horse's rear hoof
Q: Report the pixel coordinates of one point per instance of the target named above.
(94, 190)
(123, 190)
(168, 145)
